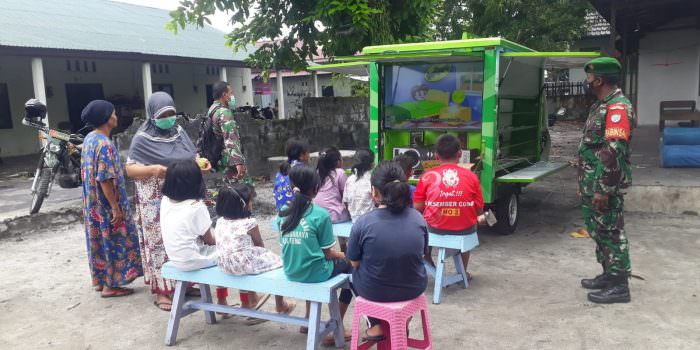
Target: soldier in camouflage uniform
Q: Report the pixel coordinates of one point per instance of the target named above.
(232, 162)
(603, 171)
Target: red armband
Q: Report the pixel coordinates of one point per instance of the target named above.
(617, 125)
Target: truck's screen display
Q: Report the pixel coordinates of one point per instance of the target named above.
(433, 95)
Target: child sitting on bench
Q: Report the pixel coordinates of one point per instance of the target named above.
(240, 246)
(185, 221)
(307, 240)
(332, 184)
(449, 196)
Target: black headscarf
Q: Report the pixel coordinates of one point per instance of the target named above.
(97, 113)
(152, 145)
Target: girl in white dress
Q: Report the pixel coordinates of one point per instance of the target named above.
(239, 243)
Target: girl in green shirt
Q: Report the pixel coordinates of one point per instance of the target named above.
(307, 240)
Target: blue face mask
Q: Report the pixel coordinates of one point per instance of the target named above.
(165, 123)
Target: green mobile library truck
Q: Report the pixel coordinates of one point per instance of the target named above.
(489, 92)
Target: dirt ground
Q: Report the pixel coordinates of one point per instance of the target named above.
(525, 293)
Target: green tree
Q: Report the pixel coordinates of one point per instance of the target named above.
(544, 25)
(333, 27)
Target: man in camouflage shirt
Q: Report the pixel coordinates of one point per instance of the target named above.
(603, 172)
(232, 162)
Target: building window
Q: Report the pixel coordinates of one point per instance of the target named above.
(5, 115)
(327, 91)
(214, 71)
(85, 66)
(165, 88)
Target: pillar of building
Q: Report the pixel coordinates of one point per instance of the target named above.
(147, 84)
(39, 84)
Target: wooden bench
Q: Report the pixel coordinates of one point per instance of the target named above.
(677, 110)
(449, 246)
(273, 282)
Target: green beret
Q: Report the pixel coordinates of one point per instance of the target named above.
(603, 65)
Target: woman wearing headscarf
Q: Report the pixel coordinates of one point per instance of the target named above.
(158, 143)
(112, 241)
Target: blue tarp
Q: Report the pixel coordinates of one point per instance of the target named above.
(680, 156)
(681, 136)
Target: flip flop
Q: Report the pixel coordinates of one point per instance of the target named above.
(329, 340)
(118, 292)
(304, 330)
(262, 301)
(163, 304)
(98, 288)
(252, 321)
(373, 338)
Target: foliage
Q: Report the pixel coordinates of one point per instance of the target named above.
(544, 25)
(296, 30)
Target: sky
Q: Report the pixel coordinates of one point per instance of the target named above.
(218, 21)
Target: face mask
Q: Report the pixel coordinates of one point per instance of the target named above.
(165, 123)
(232, 102)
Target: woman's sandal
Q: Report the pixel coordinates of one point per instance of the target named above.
(373, 338)
(118, 292)
(329, 340)
(163, 305)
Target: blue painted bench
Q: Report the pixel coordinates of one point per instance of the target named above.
(272, 282)
(449, 246)
(342, 229)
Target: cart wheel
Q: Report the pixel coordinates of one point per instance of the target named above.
(507, 213)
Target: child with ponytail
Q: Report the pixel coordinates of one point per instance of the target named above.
(387, 245)
(307, 241)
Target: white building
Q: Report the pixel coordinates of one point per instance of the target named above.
(69, 52)
(296, 86)
(659, 42)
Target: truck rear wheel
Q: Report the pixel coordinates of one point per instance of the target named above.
(507, 213)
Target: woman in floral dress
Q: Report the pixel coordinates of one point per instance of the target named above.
(112, 241)
(158, 143)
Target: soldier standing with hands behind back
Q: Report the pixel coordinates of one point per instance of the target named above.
(603, 171)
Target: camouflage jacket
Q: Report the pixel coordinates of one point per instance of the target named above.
(226, 125)
(603, 154)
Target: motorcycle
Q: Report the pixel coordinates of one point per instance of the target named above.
(60, 155)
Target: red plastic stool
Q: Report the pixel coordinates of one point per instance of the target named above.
(394, 318)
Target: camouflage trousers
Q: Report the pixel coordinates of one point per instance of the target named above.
(607, 229)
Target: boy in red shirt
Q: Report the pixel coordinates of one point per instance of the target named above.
(449, 196)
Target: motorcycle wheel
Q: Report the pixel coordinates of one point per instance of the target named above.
(40, 194)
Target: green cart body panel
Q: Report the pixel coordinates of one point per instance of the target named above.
(505, 78)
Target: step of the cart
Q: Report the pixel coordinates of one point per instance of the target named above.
(532, 173)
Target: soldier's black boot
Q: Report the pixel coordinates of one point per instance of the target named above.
(617, 292)
(599, 282)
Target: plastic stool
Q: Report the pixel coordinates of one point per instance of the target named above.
(394, 317)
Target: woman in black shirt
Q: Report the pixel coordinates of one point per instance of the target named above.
(387, 245)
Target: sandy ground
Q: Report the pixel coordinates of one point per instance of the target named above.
(525, 293)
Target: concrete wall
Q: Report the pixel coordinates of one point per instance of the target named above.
(326, 121)
(16, 72)
(117, 78)
(668, 70)
(299, 87)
